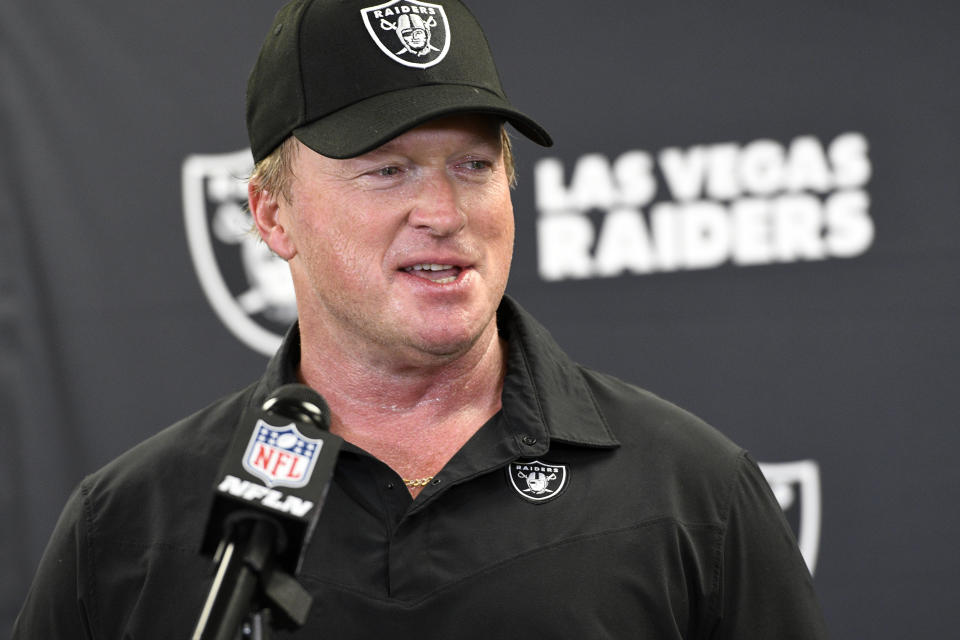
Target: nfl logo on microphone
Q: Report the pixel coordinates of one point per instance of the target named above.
(281, 456)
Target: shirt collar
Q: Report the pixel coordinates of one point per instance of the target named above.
(544, 389)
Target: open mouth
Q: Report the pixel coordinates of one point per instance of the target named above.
(438, 273)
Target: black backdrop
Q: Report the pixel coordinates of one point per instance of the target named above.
(751, 210)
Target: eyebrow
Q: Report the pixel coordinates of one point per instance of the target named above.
(390, 146)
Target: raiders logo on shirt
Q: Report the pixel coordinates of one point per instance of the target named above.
(537, 481)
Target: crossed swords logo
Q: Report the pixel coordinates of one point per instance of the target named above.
(537, 482)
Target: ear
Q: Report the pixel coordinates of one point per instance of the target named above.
(269, 212)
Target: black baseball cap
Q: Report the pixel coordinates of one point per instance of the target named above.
(346, 76)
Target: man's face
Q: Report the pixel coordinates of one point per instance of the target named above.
(415, 38)
(404, 250)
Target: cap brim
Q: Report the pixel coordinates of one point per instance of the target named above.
(365, 125)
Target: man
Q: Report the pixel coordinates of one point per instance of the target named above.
(414, 33)
(489, 487)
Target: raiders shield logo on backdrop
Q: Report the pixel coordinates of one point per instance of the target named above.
(796, 486)
(281, 456)
(248, 286)
(415, 34)
(537, 481)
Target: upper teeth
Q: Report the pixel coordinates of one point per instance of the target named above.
(429, 267)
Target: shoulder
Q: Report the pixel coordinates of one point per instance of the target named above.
(138, 496)
(676, 460)
(636, 415)
(132, 526)
(663, 458)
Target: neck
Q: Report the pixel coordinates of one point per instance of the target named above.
(413, 413)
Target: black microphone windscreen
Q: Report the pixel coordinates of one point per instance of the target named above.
(278, 465)
(301, 403)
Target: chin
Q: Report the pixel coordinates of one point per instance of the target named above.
(448, 343)
(449, 330)
(448, 346)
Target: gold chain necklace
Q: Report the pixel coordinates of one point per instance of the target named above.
(418, 482)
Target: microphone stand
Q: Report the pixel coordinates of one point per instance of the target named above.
(260, 544)
(248, 583)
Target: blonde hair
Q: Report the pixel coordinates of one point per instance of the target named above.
(274, 173)
(508, 163)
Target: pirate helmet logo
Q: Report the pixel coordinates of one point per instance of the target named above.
(537, 481)
(249, 287)
(415, 34)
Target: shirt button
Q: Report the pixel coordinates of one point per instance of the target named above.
(529, 441)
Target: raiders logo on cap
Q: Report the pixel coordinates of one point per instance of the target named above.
(415, 34)
(537, 481)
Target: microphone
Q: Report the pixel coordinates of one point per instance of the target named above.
(267, 499)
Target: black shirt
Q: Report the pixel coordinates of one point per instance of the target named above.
(586, 508)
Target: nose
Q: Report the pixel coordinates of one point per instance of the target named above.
(438, 208)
